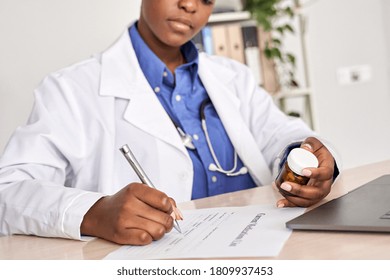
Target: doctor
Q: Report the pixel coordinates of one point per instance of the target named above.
(62, 174)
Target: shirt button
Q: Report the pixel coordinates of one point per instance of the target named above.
(165, 74)
(214, 179)
(156, 89)
(195, 136)
(178, 97)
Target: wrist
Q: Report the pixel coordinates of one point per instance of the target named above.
(91, 219)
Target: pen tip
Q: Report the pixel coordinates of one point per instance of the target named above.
(177, 227)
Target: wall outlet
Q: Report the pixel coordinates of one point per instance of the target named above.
(354, 74)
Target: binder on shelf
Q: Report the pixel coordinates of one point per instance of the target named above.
(220, 40)
(219, 37)
(270, 76)
(235, 42)
(228, 6)
(252, 51)
(244, 42)
(207, 40)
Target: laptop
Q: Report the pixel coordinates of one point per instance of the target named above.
(365, 209)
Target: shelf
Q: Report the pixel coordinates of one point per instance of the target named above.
(229, 16)
(299, 92)
(281, 97)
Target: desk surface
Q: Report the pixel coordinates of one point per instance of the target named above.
(300, 245)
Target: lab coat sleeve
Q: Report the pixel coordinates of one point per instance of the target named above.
(35, 196)
(272, 129)
(279, 132)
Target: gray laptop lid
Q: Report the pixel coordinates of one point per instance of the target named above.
(366, 208)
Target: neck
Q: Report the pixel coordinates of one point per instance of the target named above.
(173, 62)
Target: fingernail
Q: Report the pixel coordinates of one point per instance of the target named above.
(306, 172)
(173, 215)
(307, 146)
(280, 205)
(179, 214)
(286, 187)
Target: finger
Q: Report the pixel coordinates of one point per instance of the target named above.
(293, 202)
(325, 158)
(311, 144)
(322, 173)
(153, 215)
(300, 201)
(307, 146)
(155, 229)
(152, 197)
(176, 213)
(319, 149)
(310, 192)
(179, 214)
(132, 236)
(282, 203)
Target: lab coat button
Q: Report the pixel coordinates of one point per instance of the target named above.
(156, 89)
(178, 97)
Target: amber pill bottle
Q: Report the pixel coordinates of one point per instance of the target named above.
(297, 160)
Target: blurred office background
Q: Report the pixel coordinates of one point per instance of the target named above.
(40, 36)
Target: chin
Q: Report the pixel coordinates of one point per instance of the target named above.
(177, 42)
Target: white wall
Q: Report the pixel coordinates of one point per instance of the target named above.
(385, 15)
(356, 118)
(41, 36)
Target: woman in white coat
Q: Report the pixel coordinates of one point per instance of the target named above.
(62, 174)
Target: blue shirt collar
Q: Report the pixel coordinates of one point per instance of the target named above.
(152, 67)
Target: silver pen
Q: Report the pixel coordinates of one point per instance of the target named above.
(141, 173)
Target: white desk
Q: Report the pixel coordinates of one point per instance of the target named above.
(301, 245)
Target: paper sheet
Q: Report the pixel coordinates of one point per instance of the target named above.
(229, 232)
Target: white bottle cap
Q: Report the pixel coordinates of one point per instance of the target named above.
(299, 159)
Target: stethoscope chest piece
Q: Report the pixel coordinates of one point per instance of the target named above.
(186, 139)
(216, 166)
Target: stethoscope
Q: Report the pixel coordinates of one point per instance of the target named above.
(216, 166)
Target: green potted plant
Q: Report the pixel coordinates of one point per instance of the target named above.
(275, 17)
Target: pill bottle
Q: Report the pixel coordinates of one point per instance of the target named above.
(297, 160)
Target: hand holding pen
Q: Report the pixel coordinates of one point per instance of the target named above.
(176, 214)
(135, 215)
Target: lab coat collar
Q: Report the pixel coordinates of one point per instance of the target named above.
(122, 77)
(121, 73)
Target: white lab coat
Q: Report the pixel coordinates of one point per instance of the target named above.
(67, 156)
